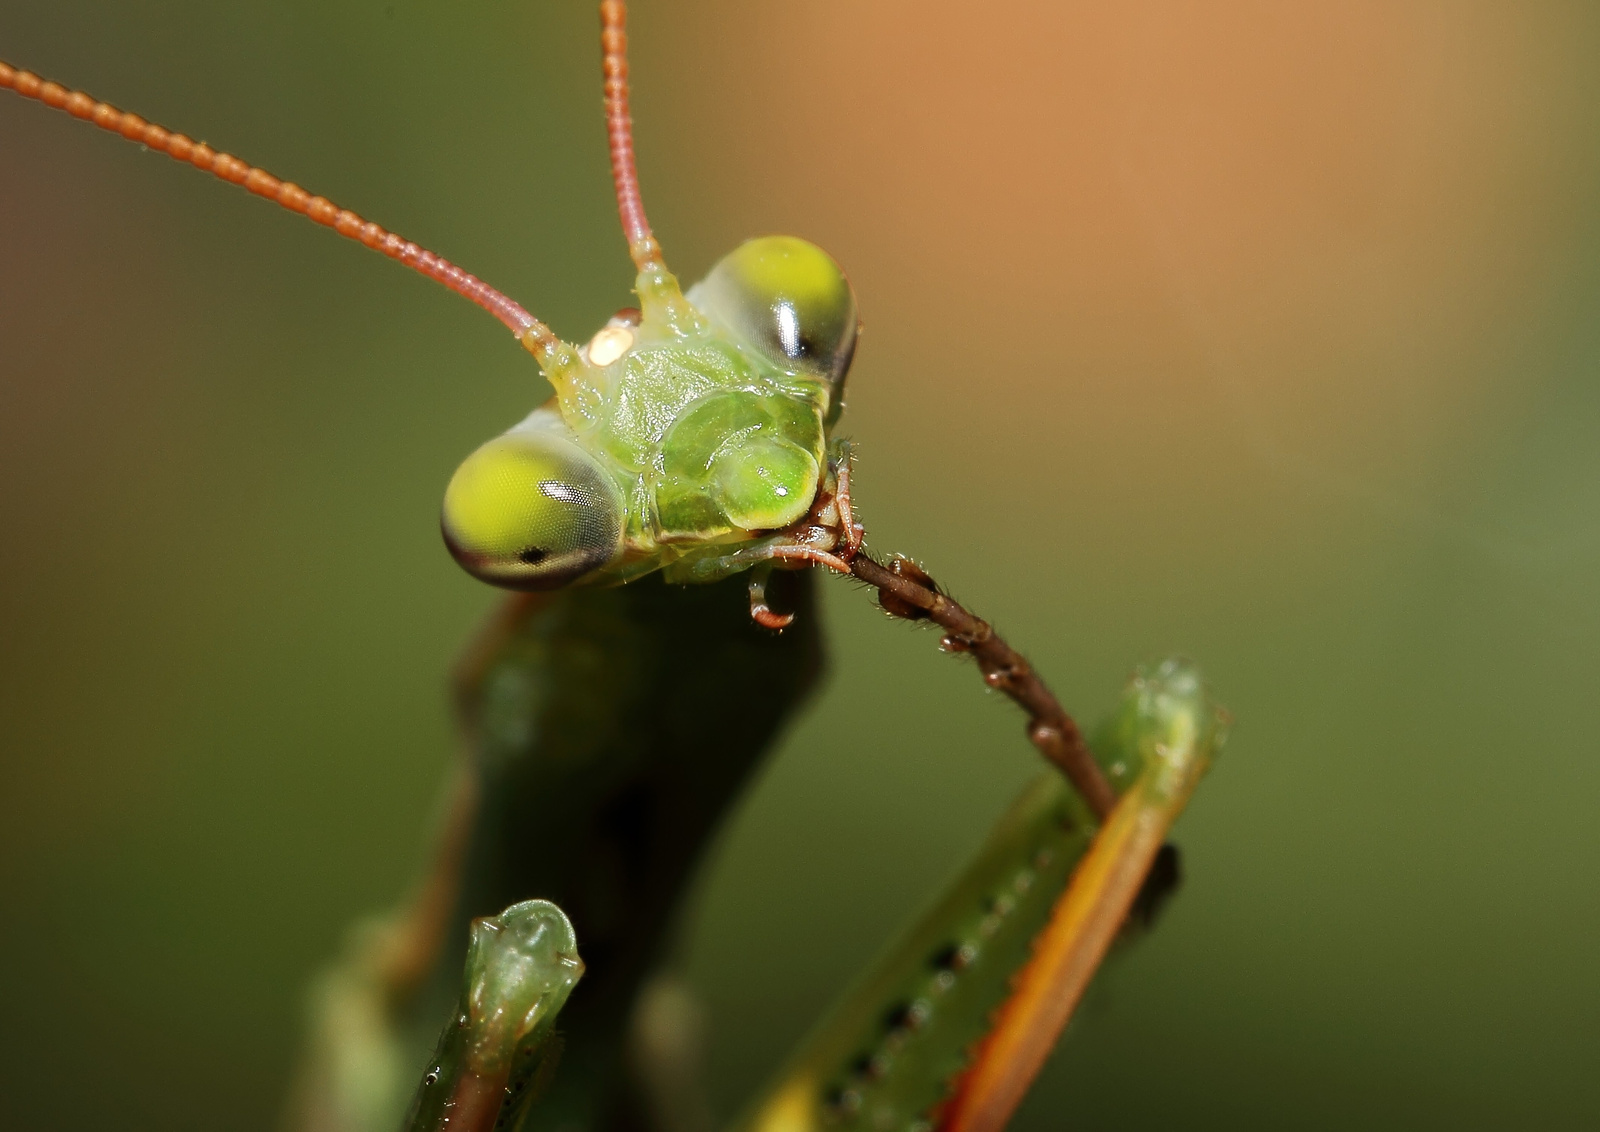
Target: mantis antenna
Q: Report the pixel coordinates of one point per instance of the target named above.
(642, 244)
(533, 334)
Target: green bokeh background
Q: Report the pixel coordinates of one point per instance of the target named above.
(1208, 328)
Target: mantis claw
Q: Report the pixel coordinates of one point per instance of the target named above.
(760, 612)
(854, 533)
(791, 553)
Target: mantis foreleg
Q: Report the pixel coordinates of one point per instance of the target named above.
(913, 1047)
(500, 1047)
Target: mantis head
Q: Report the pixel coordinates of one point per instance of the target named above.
(696, 423)
(681, 430)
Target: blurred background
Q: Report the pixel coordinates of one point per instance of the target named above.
(1265, 333)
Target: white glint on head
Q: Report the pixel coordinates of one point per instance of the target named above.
(788, 329)
(609, 344)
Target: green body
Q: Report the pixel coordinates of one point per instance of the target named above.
(691, 438)
(607, 731)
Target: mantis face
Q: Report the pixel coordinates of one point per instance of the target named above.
(679, 431)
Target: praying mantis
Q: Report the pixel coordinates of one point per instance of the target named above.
(688, 465)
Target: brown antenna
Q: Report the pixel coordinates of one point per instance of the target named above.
(533, 334)
(642, 244)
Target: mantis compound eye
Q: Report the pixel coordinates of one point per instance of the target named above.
(788, 299)
(531, 510)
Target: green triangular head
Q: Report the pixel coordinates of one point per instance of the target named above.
(678, 432)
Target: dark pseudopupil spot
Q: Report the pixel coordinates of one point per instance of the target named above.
(533, 555)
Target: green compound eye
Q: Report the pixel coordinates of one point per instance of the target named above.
(530, 510)
(787, 298)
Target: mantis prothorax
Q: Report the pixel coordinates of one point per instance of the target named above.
(692, 438)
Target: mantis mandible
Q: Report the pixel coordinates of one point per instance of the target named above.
(661, 519)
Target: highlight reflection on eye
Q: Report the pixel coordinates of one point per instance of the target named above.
(789, 300)
(788, 329)
(561, 492)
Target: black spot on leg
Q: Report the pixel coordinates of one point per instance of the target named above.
(905, 1017)
(955, 957)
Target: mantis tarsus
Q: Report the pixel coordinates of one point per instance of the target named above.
(608, 725)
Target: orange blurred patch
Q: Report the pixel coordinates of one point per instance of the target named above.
(1310, 236)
